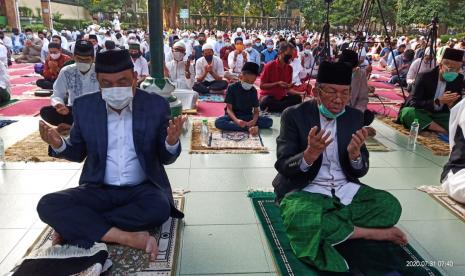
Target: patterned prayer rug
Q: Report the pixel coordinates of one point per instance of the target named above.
(440, 196)
(30, 149)
(374, 145)
(426, 138)
(213, 98)
(367, 257)
(378, 99)
(128, 261)
(225, 141)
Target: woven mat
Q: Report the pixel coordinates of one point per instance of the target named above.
(425, 138)
(225, 141)
(440, 196)
(129, 261)
(30, 149)
(367, 257)
(382, 100)
(374, 145)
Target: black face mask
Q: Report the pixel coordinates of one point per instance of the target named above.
(287, 58)
(201, 42)
(209, 58)
(136, 55)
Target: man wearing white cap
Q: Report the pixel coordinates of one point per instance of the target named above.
(181, 72)
(209, 72)
(238, 33)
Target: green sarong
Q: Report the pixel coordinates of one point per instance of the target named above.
(425, 118)
(315, 223)
(4, 95)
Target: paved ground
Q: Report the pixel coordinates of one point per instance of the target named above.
(221, 233)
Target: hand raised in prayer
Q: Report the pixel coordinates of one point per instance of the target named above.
(358, 139)
(175, 129)
(449, 98)
(50, 135)
(317, 141)
(209, 68)
(62, 109)
(244, 55)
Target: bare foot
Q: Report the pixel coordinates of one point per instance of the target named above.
(56, 238)
(143, 241)
(392, 234)
(253, 131)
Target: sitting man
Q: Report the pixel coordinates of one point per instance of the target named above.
(31, 50)
(125, 137)
(420, 66)
(321, 155)
(209, 72)
(276, 82)
(140, 63)
(236, 60)
(226, 50)
(434, 93)
(253, 55)
(453, 175)
(241, 100)
(403, 62)
(5, 85)
(53, 64)
(358, 86)
(73, 81)
(180, 71)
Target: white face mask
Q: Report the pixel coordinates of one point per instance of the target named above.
(248, 49)
(246, 85)
(55, 56)
(178, 56)
(117, 97)
(83, 67)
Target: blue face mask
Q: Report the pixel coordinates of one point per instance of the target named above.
(449, 76)
(258, 44)
(328, 114)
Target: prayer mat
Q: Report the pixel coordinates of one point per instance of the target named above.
(213, 98)
(27, 107)
(8, 103)
(364, 257)
(4, 123)
(225, 141)
(445, 200)
(378, 99)
(444, 137)
(205, 109)
(125, 260)
(428, 139)
(374, 145)
(30, 149)
(190, 111)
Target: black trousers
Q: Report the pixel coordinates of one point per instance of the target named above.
(51, 116)
(273, 105)
(83, 215)
(45, 84)
(205, 86)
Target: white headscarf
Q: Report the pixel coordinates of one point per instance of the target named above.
(457, 118)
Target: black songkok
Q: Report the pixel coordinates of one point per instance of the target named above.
(113, 61)
(334, 73)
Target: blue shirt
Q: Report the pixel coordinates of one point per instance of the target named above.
(254, 56)
(269, 56)
(392, 55)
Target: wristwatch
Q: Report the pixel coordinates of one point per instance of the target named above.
(357, 160)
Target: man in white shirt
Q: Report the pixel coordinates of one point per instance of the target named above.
(236, 60)
(5, 93)
(140, 63)
(418, 66)
(181, 71)
(321, 156)
(125, 136)
(73, 81)
(237, 34)
(3, 53)
(209, 72)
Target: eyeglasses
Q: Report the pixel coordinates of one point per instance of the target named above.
(450, 69)
(333, 94)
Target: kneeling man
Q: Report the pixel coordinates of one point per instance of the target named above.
(125, 135)
(321, 155)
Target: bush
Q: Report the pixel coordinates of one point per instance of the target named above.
(446, 37)
(72, 23)
(34, 27)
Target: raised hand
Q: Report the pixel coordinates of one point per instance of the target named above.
(358, 139)
(50, 135)
(175, 129)
(317, 142)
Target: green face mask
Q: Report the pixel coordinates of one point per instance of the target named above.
(328, 114)
(449, 76)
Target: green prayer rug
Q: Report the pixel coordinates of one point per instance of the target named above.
(364, 257)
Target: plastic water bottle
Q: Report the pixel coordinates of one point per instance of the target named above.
(2, 153)
(412, 139)
(204, 133)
